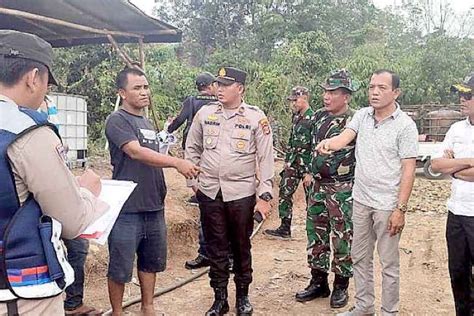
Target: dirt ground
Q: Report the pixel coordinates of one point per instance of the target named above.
(280, 268)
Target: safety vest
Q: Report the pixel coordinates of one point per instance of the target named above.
(33, 262)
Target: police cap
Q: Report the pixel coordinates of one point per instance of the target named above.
(14, 44)
(230, 75)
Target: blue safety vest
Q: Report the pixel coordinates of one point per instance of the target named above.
(32, 256)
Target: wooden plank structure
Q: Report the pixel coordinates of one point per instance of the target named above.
(433, 120)
(66, 23)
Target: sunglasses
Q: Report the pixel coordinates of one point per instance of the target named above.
(465, 95)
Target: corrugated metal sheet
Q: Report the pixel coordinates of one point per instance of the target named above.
(112, 15)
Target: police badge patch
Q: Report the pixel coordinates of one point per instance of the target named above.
(222, 72)
(264, 125)
(62, 152)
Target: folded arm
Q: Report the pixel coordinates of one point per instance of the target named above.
(451, 165)
(465, 174)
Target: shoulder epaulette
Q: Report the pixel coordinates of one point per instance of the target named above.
(255, 108)
(206, 97)
(319, 111)
(212, 103)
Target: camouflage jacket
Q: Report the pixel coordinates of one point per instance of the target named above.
(299, 145)
(336, 167)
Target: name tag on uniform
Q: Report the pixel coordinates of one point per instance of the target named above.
(342, 170)
(212, 123)
(243, 126)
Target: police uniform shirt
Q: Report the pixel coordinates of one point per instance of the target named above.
(229, 147)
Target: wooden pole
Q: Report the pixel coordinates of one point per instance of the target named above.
(141, 51)
(108, 33)
(65, 23)
(141, 54)
(117, 104)
(76, 26)
(121, 53)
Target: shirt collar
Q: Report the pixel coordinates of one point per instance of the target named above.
(394, 115)
(308, 112)
(468, 123)
(240, 110)
(398, 110)
(6, 99)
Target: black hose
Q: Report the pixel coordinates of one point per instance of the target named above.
(179, 284)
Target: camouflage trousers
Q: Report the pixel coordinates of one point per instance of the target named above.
(290, 179)
(329, 215)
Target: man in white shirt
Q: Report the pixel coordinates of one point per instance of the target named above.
(457, 159)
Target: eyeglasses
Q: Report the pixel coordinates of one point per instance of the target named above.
(465, 95)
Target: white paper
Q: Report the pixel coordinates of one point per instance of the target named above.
(115, 193)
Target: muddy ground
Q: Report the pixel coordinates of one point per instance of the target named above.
(280, 268)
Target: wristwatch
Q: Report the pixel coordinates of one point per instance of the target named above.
(402, 207)
(266, 196)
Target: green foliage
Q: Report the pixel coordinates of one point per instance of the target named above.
(280, 43)
(364, 60)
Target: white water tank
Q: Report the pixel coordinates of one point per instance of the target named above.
(72, 117)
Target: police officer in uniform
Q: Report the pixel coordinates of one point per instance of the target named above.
(230, 141)
(40, 199)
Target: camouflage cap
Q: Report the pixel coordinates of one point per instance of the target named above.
(466, 86)
(340, 78)
(296, 92)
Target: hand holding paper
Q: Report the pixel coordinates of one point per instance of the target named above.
(115, 193)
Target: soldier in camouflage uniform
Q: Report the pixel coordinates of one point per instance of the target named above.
(297, 160)
(330, 199)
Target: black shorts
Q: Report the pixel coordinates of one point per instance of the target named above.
(143, 234)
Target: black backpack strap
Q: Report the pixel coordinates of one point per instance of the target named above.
(12, 308)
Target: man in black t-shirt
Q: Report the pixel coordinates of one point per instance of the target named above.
(140, 228)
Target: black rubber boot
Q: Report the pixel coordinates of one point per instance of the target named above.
(220, 305)
(339, 296)
(283, 232)
(243, 306)
(318, 287)
(197, 263)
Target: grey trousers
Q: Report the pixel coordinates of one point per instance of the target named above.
(370, 225)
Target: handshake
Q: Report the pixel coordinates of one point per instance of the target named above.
(187, 168)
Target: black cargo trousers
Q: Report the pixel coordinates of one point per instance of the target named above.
(227, 223)
(460, 240)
